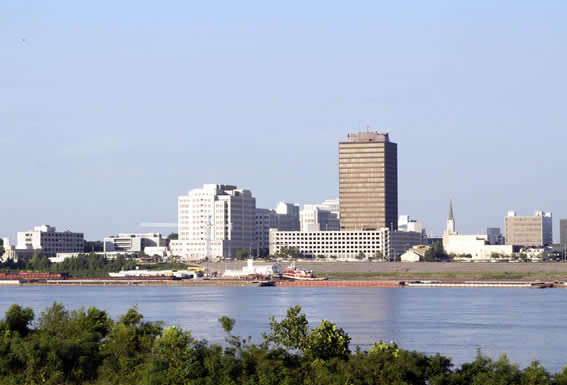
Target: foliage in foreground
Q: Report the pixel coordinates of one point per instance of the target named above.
(88, 347)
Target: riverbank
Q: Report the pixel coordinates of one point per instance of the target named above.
(548, 271)
(291, 283)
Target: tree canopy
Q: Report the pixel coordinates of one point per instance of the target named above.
(86, 346)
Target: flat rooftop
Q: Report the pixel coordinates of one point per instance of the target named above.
(363, 137)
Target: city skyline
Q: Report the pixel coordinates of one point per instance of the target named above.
(108, 116)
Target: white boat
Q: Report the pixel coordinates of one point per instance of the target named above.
(300, 275)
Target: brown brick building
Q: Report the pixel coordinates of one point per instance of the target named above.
(368, 182)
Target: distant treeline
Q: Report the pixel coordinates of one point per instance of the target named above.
(88, 347)
(83, 265)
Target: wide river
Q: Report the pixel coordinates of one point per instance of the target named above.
(527, 324)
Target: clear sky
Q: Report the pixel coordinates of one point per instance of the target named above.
(111, 109)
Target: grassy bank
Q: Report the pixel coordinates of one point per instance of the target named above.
(453, 275)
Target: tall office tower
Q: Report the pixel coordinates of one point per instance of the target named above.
(529, 231)
(215, 220)
(368, 182)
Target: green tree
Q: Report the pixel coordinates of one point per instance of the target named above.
(294, 252)
(242, 254)
(328, 341)
(360, 256)
(172, 359)
(93, 246)
(18, 319)
(323, 342)
(127, 347)
(291, 332)
(435, 253)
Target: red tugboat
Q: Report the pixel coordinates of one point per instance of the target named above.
(296, 274)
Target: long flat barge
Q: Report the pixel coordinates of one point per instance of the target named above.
(331, 283)
(480, 284)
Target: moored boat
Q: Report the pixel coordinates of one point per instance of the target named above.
(300, 275)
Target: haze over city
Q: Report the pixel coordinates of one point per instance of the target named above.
(109, 112)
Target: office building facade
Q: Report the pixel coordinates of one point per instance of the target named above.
(345, 244)
(494, 236)
(340, 244)
(49, 241)
(132, 243)
(215, 221)
(368, 182)
(284, 217)
(318, 218)
(529, 231)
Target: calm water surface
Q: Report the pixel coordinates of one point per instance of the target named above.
(525, 323)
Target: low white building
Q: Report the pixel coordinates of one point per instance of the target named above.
(411, 256)
(132, 243)
(252, 269)
(47, 240)
(345, 244)
(475, 245)
(156, 251)
(340, 244)
(415, 254)
(10, 252)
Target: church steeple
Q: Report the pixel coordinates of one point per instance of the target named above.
(450, 219)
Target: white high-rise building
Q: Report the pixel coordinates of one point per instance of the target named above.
(318, 218)
(215, 221)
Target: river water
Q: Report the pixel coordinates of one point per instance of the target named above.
(527, 324)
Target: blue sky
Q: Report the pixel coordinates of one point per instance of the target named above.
(110, 110)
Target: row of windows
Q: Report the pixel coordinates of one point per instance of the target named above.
(330, 238)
